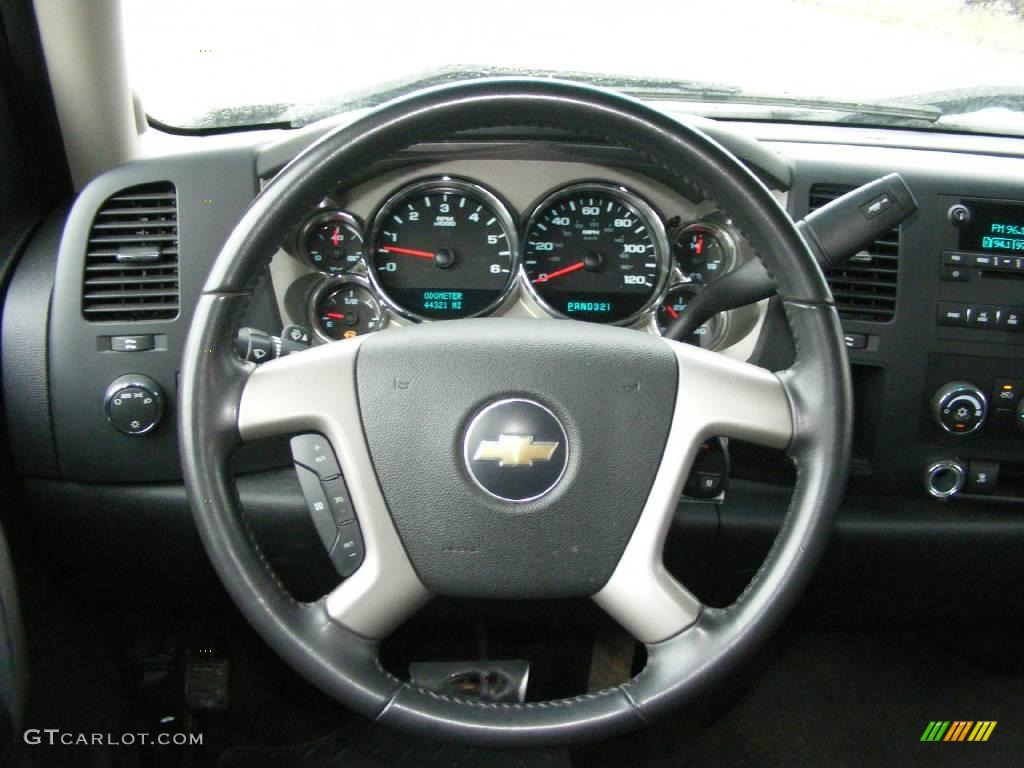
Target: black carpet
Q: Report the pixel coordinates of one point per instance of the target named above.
(864, 699)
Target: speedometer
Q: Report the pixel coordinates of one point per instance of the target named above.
(596, 252)
(443, 249)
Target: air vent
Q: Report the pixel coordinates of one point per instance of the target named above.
(865, 287)
(131, 264)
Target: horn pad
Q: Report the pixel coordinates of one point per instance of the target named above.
(515, 456)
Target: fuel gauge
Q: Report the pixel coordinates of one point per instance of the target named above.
(343, 309)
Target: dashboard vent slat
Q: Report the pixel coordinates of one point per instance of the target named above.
(866, 286)
(120, 285)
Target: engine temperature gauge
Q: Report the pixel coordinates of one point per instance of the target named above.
(343, 309)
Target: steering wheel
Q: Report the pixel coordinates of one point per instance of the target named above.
(599, 425)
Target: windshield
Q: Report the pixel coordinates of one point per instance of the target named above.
(940, 64)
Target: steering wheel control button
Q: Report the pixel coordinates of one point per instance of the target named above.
(134, 404)
(338, 500)
(349, 550)
(516, 450)
(314, 452)
(142, 343)
(959, 408)
(945, 479)
(318, 506)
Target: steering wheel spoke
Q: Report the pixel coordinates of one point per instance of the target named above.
(717, 396)
(315, 391)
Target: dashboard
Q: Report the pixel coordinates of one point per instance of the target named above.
(537, 225)
(504, 237)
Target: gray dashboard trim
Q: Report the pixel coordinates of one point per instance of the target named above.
(775, 170)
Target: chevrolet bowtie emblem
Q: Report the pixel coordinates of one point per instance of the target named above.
(514, 451)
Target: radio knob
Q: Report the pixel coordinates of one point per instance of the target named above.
(959, 407)
(945, 479)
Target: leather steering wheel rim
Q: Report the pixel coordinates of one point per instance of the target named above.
(342, 662)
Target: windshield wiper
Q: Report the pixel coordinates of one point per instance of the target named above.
(963, 101)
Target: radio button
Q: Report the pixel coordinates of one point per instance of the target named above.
(1006, 262)
(982, 316)
(1011, 318)
(956, 274)
(952, 315)
(983, 260)
(955, 259)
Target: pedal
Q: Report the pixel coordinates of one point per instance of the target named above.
(207, 684)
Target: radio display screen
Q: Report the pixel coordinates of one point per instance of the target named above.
(993, 228)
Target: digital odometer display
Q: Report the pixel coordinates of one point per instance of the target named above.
(443, 249)
(595, 252)
(993, 228)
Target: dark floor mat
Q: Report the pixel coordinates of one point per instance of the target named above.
(360, 744)
(850, 699)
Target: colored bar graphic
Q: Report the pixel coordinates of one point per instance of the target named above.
(958, 730)
(935, 730)
(982, 730)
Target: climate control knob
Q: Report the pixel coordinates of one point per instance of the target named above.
(959, 407)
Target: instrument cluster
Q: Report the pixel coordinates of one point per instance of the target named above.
(443, 248)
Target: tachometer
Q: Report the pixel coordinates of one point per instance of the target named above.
(596, 252)
(443, 249)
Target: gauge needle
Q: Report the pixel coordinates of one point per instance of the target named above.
(336, 315)
(559, 272)
(407, 251)
(675, 315)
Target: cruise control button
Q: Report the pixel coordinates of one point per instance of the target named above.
(314, 452)
(349, 550)
(319, 509)
(338, 500)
